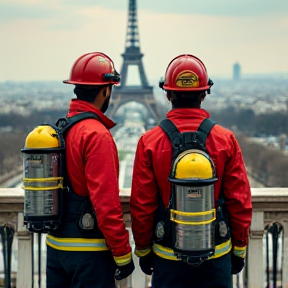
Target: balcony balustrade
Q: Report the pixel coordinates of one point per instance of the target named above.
(270, 206)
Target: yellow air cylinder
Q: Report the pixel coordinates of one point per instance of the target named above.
(42, 179)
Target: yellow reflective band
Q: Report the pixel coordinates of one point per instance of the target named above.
(123, 260)
(37, 180)
(213, 211)
(164, 252)
(239, 251)
(76, 244)
(222, 249)
(181, 213)
(142, 252)
(41, 188)
(168, 253)
(42, 179)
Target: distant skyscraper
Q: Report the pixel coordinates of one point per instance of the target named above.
(236, 71)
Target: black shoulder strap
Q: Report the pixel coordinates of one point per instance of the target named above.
(170, 129)
(65, 123)
(204, 130)
(173, 133)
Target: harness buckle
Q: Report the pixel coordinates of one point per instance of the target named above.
(193, 261)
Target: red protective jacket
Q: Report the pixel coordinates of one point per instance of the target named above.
(93, 169)
(152, 167)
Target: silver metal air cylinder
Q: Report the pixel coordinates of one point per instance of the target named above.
(41, 192)
(194, 199)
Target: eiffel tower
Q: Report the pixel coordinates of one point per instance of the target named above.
(142, 93)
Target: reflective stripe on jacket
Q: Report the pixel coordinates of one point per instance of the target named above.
(76, 244)
(168, 253)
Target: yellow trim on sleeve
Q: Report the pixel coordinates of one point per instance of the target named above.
(239, 251)
(142, 252)
(123, 260)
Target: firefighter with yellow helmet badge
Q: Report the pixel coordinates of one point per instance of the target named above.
(190, 200)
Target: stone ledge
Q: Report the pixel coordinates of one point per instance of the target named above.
(263, 199)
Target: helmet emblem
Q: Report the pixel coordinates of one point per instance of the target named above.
(106, 64)
(103, 61)
(187, 79)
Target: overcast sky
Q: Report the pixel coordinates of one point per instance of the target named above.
(40, 40)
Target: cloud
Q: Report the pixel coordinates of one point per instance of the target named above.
(217, 8)
(41, 39)
(35, 49)
(38, 9)
(108, 4)
(53, 15)
(219, 42)
(12, 10)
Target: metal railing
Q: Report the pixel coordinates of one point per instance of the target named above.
(266, 263)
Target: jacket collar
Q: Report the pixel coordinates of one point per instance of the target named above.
(184, 113)
(79, 106)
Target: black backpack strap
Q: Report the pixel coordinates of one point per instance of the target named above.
(170, 129)
(202, 133)
(204, 130)
(65, 123)
(174, 135)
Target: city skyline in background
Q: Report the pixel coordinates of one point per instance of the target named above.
(41, 40)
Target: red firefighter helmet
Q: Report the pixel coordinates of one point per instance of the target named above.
(186, 73)
(93, 68)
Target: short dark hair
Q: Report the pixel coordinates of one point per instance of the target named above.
(87, 93)
(185, 99)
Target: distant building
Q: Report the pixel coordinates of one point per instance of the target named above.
(282, 142)
(236, 71)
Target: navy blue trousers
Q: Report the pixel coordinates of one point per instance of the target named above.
(73, 269)
(177, 274)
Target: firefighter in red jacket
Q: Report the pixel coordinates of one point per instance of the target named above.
(91, 248)
(186, 84)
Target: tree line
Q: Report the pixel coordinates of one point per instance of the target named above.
(14, 129)
(246, 121)
(267, 165)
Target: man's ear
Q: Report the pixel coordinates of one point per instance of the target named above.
(106, 91)
(203, 96)
(168, 96)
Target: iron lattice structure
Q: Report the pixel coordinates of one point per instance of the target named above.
(142, 93)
